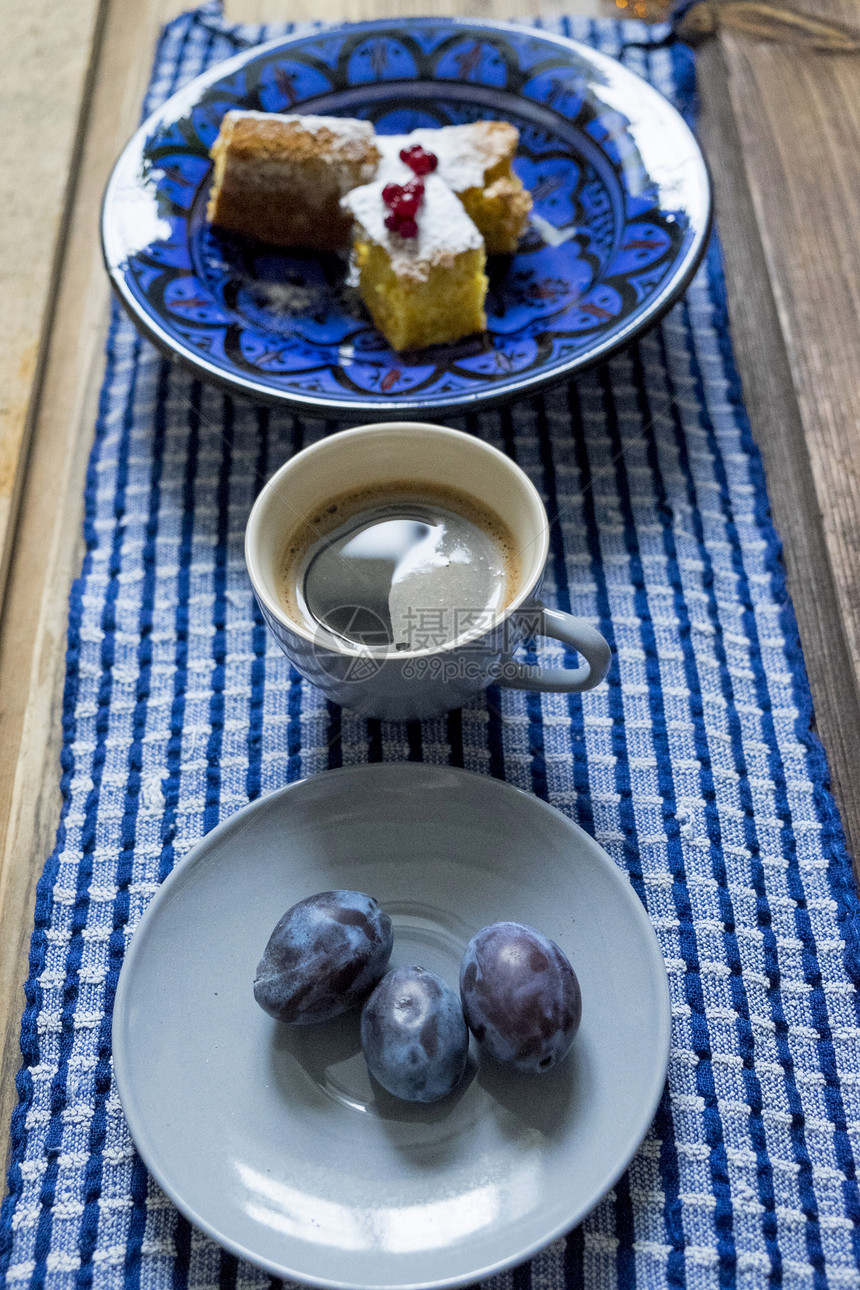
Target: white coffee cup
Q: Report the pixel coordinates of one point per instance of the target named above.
(416, 683)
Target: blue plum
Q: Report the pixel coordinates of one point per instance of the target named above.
(414, 1036)
(323, 957)
(520, 997)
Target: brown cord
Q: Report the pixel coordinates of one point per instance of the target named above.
(765, 22)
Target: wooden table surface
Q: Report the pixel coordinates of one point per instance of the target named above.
(780, 124)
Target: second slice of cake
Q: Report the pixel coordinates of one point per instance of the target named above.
(426, 288)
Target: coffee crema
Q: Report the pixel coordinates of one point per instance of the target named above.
(402, 565)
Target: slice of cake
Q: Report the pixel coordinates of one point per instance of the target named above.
(475, 161)
(420, 261)
(281, 178)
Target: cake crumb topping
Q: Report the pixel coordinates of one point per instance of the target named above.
(338, 138)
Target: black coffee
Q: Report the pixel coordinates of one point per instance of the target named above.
(400, 567)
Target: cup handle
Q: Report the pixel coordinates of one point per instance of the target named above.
(561, 680)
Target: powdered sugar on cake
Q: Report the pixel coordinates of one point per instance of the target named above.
(465, 152)
(444, 228)
(391, 168)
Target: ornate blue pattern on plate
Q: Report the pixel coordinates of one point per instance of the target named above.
(610, 164)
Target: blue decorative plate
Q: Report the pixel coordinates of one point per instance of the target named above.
(621, 198)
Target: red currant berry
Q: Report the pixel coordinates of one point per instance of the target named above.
(392, 223)
(391, 194)
(418, 160)
(407, 205)
(408, 228)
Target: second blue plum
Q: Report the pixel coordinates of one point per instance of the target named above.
(414, 1036)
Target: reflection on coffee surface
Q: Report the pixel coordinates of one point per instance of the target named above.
(400, 566)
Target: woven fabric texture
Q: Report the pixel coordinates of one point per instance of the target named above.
(693, 766)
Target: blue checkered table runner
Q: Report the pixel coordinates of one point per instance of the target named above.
(694, 766)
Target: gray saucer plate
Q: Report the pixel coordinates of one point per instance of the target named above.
(272, 1139)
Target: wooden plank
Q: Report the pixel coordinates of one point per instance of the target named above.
(798, 124)
(46, 49)
(798, 118)
(361, 10)
(788, 431)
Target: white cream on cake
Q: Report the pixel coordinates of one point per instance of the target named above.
(444, 228)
